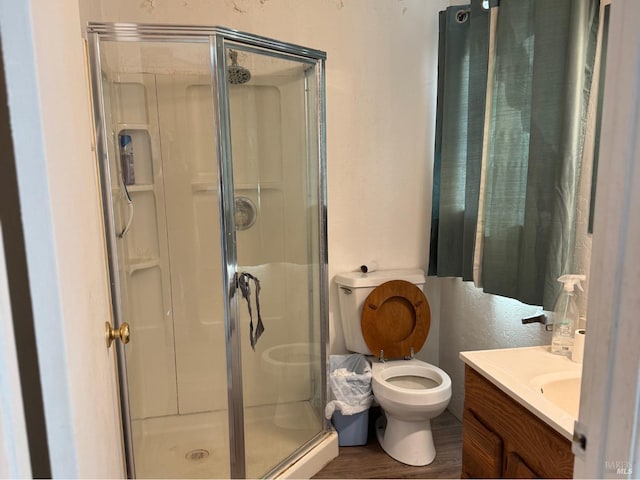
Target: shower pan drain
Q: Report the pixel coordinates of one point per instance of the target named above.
(197, 454)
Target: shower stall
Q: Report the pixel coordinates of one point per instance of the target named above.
(212, 168)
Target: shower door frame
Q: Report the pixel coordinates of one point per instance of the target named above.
(215, 37)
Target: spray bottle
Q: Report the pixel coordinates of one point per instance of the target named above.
(566, 315)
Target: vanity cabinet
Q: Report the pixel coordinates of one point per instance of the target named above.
(502, 439)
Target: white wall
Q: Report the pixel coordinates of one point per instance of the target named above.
(610, 397)
(381, 83)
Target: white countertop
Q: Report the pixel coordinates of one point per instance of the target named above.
(516, 372)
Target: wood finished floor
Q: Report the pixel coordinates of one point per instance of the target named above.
(370, 461)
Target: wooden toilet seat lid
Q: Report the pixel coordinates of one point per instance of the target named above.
(395, 319)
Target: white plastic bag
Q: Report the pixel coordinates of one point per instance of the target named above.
(350, 381)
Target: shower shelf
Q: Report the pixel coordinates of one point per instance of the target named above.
(143, 187)
(256, 186)
(203, 186)
(135, 188)
(131, 126)
(137, 264)
(212, 186)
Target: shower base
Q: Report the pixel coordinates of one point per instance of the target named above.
(197, 445)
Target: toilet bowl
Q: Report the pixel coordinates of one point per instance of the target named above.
(386, 316)
(289, 367)
(410, 393)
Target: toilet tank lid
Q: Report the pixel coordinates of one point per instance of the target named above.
(378, 277)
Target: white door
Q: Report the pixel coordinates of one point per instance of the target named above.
(609, 413)
(48, 99)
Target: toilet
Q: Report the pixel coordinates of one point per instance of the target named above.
(386, 316)
(288, 369)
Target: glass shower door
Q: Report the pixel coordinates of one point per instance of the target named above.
(276, 201)
(166, 255)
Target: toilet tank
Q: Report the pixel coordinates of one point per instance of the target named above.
(353, 289)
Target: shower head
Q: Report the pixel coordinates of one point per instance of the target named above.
(237, 75)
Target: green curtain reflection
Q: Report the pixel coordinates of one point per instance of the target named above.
(544, 56)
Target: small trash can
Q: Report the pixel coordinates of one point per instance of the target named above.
(352, 429)
(350, 380)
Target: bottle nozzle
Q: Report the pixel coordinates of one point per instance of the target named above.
(571, 281)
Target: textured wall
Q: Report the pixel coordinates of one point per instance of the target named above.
(473, 320)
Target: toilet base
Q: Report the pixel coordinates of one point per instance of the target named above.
(408, 442)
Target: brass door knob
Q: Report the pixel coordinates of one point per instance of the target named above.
(123, 333)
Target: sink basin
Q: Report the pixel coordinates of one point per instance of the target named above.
(560, 388)
(547, 385)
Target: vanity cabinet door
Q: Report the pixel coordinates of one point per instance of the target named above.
(528, 448)
(481, 449)
(516, 468)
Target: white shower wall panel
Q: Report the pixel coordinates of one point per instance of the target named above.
(131, 100)
(142, 251)
(300, 208)
(200, 348)
(267, 139)
(208, 273)
(265, 241)
(190, 177)
(142, 242)
(149, 369)
(174, 299)
(286, 322)
(256, 142)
